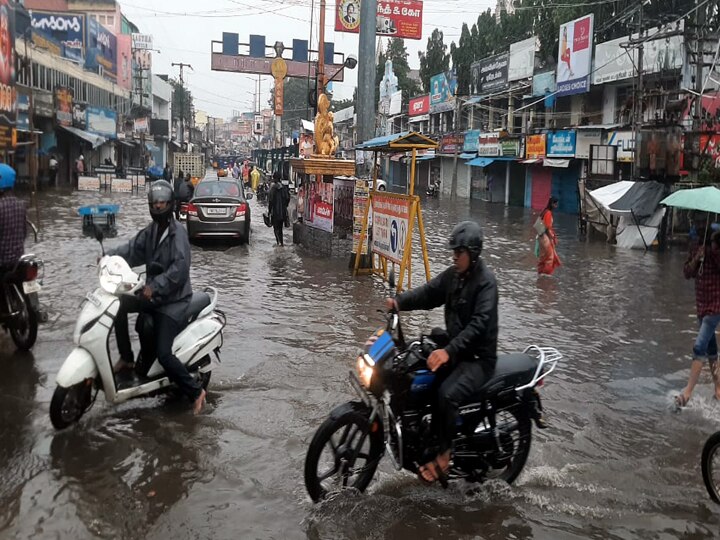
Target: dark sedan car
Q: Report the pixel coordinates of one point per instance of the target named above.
(219, 209)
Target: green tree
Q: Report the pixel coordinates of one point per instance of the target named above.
(434, 60)
(181, 102)
(462, 58)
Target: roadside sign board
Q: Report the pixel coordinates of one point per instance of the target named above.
(391, 217)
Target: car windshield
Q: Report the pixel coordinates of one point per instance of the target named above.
(217, 189)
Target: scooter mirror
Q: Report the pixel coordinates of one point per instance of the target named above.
(99, 236)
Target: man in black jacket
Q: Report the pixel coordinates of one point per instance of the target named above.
(468, 291)
(166, 296)
(278, 199)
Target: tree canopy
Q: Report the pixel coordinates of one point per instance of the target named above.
(434, 60)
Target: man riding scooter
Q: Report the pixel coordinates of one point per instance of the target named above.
(166, 295)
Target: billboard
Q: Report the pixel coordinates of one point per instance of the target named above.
(391, 217)
(64, 106)
(535, 146)
(8, 92)
(142, 41)
(543, 83)
(102, 122)
(65, 29)
(320, 206)
(471, 141)
(442, 91)
(419, 105)
(522, 59)
(614, 63)
(561, 143)
(490, 74)
(124, 61)
(101, 49)
(575, 56)
(395, 18)
(489, 144)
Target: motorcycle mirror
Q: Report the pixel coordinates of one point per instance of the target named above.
(391, 279)
(99, 236)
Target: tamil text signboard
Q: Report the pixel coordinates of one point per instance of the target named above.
(489, 145)
(575, 56)
(561, 144)
(451, 143)
(263, 66)
(535, 146)
(490, 74)
(395, 18)
(391, 217)
(419, 105)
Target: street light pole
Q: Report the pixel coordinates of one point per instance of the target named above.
(366, 72)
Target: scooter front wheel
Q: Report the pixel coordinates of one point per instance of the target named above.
(69, 404)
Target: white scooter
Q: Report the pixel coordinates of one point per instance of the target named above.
(89, 367)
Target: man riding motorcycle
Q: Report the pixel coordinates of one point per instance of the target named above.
(166, 296)
(468, 291)
(13, 221)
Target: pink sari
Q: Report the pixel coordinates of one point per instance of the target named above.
(548, 259)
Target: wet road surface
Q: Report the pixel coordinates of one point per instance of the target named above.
(616, 463)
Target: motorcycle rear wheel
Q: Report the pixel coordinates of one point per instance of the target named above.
(342, 441)
(23, 329)
(515, 431)
(69, 404)
(711, 466)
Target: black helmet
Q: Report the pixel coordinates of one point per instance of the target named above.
(468, 235)
(159, 191)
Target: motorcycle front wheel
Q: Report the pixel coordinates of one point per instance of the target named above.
(344, 453)
(69, 404)
(23, 329)
(711, 466)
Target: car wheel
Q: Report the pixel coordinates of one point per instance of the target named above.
(381, 188)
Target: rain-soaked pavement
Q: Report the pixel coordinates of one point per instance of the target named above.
(616, 463)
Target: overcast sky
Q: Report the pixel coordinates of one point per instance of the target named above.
(183, 29)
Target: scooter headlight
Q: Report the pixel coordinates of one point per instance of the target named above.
(365, 366)
(109, 281)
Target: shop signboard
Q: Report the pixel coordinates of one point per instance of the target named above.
(320, 203)
(490, 74)
(101, 50)
(121, 185)
(64, 106)
(140, 125)
(522, 59)
(391, 217)
(360, 201)
(535, 146)
(395, 18)
(442, 92)
(102, 122)
(575, 56)
(625, 142)
(613, 62)
(472, 139)
(561, 144)
(66, 30)
(419, 105)
(142, 41)
(79, 115)
(451, 143)
(23, 120)
(8, 92)
(88, 183)
(510, 147)
(489, 145)
(584, 139)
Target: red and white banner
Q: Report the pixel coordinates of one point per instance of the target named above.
(419, 105)
(395, 18)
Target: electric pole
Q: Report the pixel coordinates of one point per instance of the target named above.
(639, 93)
(182, 96)
(456, 130)
(366, 73)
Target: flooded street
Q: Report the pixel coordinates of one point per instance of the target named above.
(617, 462)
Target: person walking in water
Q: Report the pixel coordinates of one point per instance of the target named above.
(278, 199)
(548, 259)
(703, 265)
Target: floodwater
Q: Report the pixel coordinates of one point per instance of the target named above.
(617, 462)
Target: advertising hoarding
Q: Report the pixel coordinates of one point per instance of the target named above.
(451, 143)
(584, 139)
(535, 146)
(419, 105)
(124, 61)
(101, 49)
(522, 59)
(64, 106)
(65, 29)
(625, 142)
(395, 18)
(615, 63)
(575, 56)
(102, 122)
(561, 143)
(8, 92)
(320, 204)
(543, 83)
(490, 74)
(472, 138)
(391, 216)
(442, 91)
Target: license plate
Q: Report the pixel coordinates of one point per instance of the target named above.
(30, 287)
(216, 211)
(94, 300)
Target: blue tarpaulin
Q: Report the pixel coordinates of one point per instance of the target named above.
(485, 161)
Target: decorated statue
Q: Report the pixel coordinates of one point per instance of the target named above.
(326, 142)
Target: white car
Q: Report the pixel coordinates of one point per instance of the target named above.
(380, 186)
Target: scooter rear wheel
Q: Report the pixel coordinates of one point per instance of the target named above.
(24, 329)
(711, 466)
(69, 404)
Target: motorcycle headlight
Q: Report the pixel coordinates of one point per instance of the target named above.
(365, 369)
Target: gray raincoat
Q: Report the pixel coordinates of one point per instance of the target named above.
(171, 289)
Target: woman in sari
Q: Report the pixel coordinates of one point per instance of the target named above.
(548, 259)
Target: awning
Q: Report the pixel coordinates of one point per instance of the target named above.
(94, 140)
(485, 161)
(126, 143)
(152, 147)
(559, 163)
(426, 157)
(530, 161)
(599, 126)
(421, 118)
(406, 140)
(307, 125)
(467, 155)
(641, 200)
